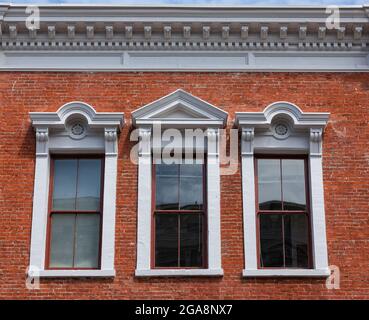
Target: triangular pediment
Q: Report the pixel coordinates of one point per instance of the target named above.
(180, 108)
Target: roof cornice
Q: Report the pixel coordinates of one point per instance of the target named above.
(239, 31)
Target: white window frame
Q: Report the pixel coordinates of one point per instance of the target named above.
(54, 135)
(304, 136)
(190, 112)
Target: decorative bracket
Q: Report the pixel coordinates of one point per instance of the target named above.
(110, 141)
(316, 142)
(213, 146)
(42, 139)
(247, 141)
(144, 149)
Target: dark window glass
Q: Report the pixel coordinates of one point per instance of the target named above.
(293, 184)
(269, 184)
(296, 240)
(284, 235)
(166, 240)
(284, 240)
(271, 240)
(191, 240)
(179, 232)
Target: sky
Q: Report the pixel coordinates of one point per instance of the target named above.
(196, 2)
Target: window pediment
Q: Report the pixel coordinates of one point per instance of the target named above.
(180, 109)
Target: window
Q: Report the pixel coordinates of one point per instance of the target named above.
(179, 216)
(178, 219)
(75, 213)
(73, 218)
(282, 213)
(283, 197)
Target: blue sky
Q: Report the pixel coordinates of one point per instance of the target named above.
(199, 2)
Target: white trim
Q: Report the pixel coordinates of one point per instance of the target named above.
(286, 273)
(53, 135)
(243, 59)
(179, 273)
(199, 113)
(195, 113)
(75, 273)
(304, 136)
(185, 38)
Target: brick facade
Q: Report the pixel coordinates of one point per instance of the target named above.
(345, 160)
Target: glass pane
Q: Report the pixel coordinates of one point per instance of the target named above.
(87, 241)
(62, 239)
(269, 184)
(89, 178)
(191, 187)
(166, 240)
(293, 182)
(167, 186)
(191, 240)
(296, 240)
(271, 240)
(65, 182)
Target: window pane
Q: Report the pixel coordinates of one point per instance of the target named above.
(167, 186)
(271, 240)
(87, 241)
(293, 182)
(65, 182)
(191, 187)
(62, 239)
(89, 178)
(191, 240)
(166, 240)
(296, 240)
(269, 184)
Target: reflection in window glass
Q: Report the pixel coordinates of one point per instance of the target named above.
(191, 187)
(65, 183)
(87, 241)
(269, 184)
(74, 231)
(167, 187)
(75, 241)
(88, 192)
(62, 240)
(293, 184)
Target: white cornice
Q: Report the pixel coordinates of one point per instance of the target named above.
(175, 38)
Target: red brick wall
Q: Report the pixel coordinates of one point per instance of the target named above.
(346, 159)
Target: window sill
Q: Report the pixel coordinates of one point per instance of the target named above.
(286, 273)
(75, 273)
(179, 273)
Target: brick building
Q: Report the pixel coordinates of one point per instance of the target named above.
(90, 218)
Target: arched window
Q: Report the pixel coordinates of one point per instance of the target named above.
(282, 183)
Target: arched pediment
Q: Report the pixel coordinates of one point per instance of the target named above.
(282, 110)
(77, 110)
